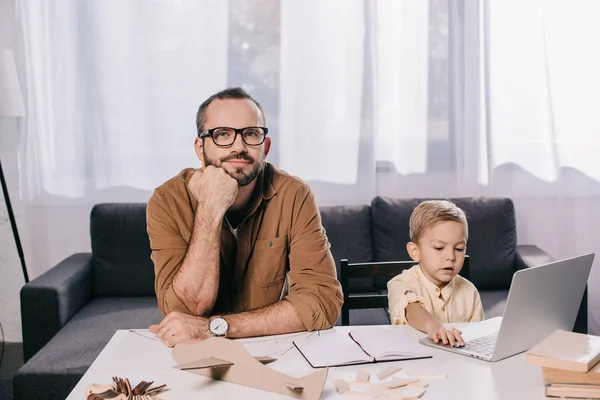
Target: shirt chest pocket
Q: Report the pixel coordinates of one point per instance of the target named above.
(459, 311)
(269, 261)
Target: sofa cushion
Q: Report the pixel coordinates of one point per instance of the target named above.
(121, 250)
(492, 236)
(57, 367)
(348, 229)
(368, 316)
(494, 302)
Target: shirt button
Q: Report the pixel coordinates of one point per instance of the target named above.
(444, 309)
(270, 243)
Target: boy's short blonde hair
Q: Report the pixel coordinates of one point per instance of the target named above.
(431, 212)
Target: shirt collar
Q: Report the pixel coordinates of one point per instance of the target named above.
(446, 291)
(265, 181)
(264, 189)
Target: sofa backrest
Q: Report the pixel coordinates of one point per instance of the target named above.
(121, 250)
(348, 229)
(492, 240)
(363, 233)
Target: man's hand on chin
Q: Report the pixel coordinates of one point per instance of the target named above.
(177, 328)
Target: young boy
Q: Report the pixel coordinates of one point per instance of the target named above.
(432, 292)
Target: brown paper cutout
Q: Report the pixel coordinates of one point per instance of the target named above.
(245, 369)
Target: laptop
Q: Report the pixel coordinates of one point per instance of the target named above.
(541, 299)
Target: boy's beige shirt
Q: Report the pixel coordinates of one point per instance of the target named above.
(459, 301)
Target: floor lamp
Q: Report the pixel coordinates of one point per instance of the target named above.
(11, 105)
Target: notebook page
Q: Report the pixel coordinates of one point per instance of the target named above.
(330, 350)
(382, 342)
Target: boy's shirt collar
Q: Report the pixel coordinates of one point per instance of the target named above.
(432, 288)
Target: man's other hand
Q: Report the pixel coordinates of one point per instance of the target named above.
(214, 187)
(178, 327)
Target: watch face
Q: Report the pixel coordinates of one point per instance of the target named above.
(218, 326)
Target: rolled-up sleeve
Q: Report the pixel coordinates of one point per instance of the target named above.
(315, 291)
(400, 295)
(168, 252)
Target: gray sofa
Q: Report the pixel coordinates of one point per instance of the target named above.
(70, 312)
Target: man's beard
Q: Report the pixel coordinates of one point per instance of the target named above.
(238, 174)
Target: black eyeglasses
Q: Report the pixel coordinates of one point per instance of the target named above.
(225, 136)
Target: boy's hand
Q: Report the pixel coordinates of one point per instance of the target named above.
(451, 336)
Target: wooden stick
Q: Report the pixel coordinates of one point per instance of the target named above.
(398, 382)
(387, 372)
(418, 385)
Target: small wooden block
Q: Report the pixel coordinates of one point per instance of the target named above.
(341, 385)
(362, 376)
(427, 375)
(398, 382)
(293, 386)
(387, 372)
(418, 384)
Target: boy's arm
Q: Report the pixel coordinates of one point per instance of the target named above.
(400, 295)
(419, 318)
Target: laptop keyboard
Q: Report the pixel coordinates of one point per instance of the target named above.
(483, 346)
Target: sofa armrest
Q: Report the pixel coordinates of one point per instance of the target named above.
(49, 301)
(531, 256)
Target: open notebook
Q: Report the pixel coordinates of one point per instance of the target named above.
(359, 346)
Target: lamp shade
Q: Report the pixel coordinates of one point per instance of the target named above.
(11, 101)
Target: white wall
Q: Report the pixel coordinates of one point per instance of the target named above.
(11, 279)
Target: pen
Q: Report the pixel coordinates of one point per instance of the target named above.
(202, 160)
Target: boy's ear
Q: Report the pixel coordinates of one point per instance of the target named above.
(413, 251)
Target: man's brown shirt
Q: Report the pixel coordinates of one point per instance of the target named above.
(282, 234)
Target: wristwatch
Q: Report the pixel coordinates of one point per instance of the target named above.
(218, 326)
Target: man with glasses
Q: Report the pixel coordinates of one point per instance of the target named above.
(238, 246)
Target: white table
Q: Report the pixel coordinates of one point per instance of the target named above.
(137, 356)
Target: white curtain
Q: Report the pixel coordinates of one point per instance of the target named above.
(438, 98)
(543, 86)
(321, 78)
(113, 88)
(401, 82)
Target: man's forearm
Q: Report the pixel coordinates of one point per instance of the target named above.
(275, 319)
(197, 281)
(419, 318)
